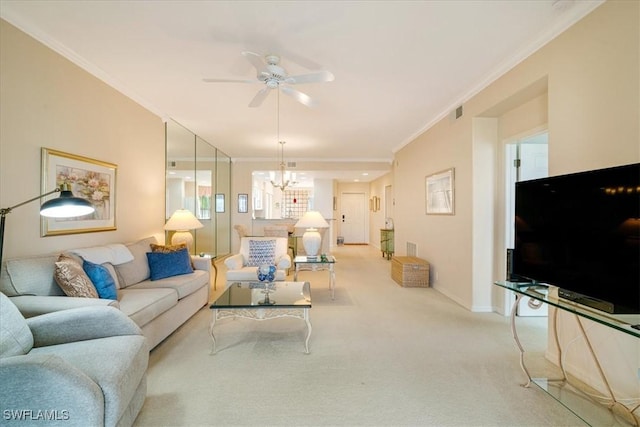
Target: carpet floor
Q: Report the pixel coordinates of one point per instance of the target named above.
(380, 355)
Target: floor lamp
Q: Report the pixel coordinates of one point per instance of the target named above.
(65, 206)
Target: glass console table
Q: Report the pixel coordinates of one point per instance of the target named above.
(570, 394)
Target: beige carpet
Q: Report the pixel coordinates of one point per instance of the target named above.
(381, 355)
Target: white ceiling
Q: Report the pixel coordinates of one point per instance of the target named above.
(399, 66)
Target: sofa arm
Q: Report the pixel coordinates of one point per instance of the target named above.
(34, 383)
(35, 305)
(201, 263)
(234, 262)
(80, 324)
(283, 262)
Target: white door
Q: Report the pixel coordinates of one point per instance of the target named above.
(352, 217)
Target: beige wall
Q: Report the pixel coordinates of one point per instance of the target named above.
(593, 109)
(46, 101)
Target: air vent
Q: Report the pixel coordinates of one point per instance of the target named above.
(458, 112)
(412, 249)
(291, 164)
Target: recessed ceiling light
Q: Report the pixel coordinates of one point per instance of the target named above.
(356, 180)
(365, 174)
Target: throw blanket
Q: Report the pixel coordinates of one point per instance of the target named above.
(115, 253)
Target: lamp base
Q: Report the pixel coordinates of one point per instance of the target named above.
(182, 237)
(311, 240)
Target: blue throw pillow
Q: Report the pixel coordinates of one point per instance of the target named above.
(169, 264)
(101, 279)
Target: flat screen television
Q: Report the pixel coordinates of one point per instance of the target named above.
(581, 233)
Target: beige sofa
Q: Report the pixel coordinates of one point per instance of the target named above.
(158, 307)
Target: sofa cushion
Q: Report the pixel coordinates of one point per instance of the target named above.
(30, 276)
(115, 253)
(184, 285)
(168, 264)
(16, 338)
(261, 252)
(101, 279)
(136, 271)
(144, 305)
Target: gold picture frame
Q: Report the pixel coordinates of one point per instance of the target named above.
(440, 193)
(87, 178)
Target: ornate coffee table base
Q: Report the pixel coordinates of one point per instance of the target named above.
(260, 313)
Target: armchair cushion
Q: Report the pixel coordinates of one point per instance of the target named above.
(15, 336)
(79, 324)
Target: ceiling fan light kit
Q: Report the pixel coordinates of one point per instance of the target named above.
(269, 73)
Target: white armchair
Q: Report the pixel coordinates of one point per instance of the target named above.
(256, 251)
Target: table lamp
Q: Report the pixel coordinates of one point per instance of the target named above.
(311, 239)
(65, 206)
(182, 221)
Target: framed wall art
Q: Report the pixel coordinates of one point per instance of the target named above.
(440, 193)
(219, 203)
(243, 203)
(90, 179)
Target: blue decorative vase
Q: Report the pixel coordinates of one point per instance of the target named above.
(266, 273)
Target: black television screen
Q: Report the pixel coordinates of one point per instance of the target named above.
(581, 233)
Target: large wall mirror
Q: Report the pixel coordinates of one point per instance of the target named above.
(197, 172)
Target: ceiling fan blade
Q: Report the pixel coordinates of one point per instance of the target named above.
(255, 60)
(315, 77)
(230, 81)
(302, 98)
(259, 98)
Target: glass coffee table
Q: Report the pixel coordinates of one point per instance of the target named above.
(260, 301)
(317, 263)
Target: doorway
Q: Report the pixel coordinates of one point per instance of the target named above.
(526, 158)
(352, 218)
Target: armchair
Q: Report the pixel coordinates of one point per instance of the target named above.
(78, 367)
(256, 251)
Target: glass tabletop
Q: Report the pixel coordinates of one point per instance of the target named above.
(303, 259)
(627, 323)
(252, 295)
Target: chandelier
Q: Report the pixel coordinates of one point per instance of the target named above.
(283, 181)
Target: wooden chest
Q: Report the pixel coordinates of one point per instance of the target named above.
(410, 271)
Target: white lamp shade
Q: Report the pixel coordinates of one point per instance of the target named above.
(311, 239)
(183, 220)
(312, 219)
(66, 206)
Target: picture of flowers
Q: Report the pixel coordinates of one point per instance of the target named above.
(90, 179)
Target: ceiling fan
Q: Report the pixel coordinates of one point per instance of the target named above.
(273, 76)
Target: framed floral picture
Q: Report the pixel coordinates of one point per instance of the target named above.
(440, 193)
(87, 178)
